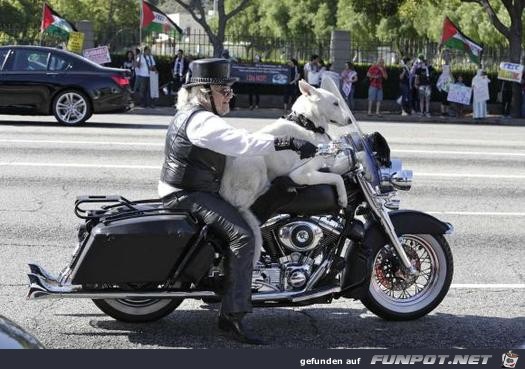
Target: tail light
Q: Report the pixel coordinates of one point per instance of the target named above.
(120, 80)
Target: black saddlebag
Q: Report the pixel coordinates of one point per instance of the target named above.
(138, 249)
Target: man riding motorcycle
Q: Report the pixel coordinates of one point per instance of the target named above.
(198, 141)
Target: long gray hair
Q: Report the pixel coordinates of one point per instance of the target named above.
(188, 98)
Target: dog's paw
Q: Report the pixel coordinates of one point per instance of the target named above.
(343, 202)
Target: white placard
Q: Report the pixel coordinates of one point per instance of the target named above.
(459, 94)
(481, 92)
(154, 85)
(99, 55)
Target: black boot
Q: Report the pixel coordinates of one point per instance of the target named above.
(232, 323)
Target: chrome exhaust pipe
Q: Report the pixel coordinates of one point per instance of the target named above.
(43, 285)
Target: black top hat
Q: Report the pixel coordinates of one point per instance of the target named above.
(209, 72)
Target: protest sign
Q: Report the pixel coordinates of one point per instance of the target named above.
(99, 55)
(459, 94)
(75, 42)
(510, 72)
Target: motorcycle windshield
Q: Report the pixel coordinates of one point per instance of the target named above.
(353, 132)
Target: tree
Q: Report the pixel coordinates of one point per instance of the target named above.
(196, 8)
(513, 33)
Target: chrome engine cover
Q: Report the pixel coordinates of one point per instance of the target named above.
(300, 235)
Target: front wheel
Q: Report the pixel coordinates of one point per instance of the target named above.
(394, 294)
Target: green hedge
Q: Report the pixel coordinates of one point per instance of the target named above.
(390, 86)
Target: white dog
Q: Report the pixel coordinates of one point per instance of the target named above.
(246, 178)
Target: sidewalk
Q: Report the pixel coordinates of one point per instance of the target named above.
(361, 116)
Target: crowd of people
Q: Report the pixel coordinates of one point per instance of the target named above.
(417, 81)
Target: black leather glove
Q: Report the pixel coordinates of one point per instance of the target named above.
(304, 148)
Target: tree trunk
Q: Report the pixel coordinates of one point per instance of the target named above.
(515, 57)
(218, 42)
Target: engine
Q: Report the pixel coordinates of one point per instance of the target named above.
(293, 250)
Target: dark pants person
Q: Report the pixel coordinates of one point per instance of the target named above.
(406, 98)
(506, 99)
(143, 89)
(251, 99)
(224, 221)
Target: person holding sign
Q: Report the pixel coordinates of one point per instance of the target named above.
(146, 66)
(480, 89)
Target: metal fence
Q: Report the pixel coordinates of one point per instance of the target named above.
(271, 49)
(394, 51)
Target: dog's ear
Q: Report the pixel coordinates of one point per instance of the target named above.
(306, 88)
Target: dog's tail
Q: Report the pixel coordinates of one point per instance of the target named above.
(255, 226)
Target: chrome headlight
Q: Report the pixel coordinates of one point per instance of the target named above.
(395, 177)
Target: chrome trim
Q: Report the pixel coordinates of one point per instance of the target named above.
(395, 177)
(39, 288)
(275, 219)
(317, 294)
(285, 235)
(382, 214)
(450, 229)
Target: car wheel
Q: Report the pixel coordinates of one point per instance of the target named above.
(71, 107)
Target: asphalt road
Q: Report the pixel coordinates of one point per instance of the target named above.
(472, 176)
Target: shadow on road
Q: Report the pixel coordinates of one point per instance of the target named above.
(322, 329)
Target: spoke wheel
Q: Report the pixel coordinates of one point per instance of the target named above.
(394, 293)
(71, 107)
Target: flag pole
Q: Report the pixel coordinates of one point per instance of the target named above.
(140, 24)
(41, 21)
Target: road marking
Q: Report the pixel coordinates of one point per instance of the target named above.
(487, 286)
(476, 153)
(497, 214)
(112, 143)
(74, 165)
(160, 144)
(469, 175)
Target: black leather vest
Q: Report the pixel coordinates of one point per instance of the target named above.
(187, 166)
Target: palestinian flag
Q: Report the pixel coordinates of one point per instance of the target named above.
(153, 20)
(53, 23)
(453, 38)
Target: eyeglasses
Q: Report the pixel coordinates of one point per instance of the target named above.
(225, 91)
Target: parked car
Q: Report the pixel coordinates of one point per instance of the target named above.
(38, 80)
(13, 336)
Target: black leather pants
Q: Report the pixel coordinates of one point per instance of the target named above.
(226, 222)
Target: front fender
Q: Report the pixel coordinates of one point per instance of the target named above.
(359, 258)
(417, 222)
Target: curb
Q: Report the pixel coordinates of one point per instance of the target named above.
(265, 113)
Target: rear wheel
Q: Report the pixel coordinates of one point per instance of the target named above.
(71, 107)
(139, 310)
(394, 294)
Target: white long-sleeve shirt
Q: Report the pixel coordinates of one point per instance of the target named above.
(210, 131)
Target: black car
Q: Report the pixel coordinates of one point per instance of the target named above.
(12, 336)
(43, 81)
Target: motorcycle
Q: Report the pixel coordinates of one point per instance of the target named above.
(138, 261)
